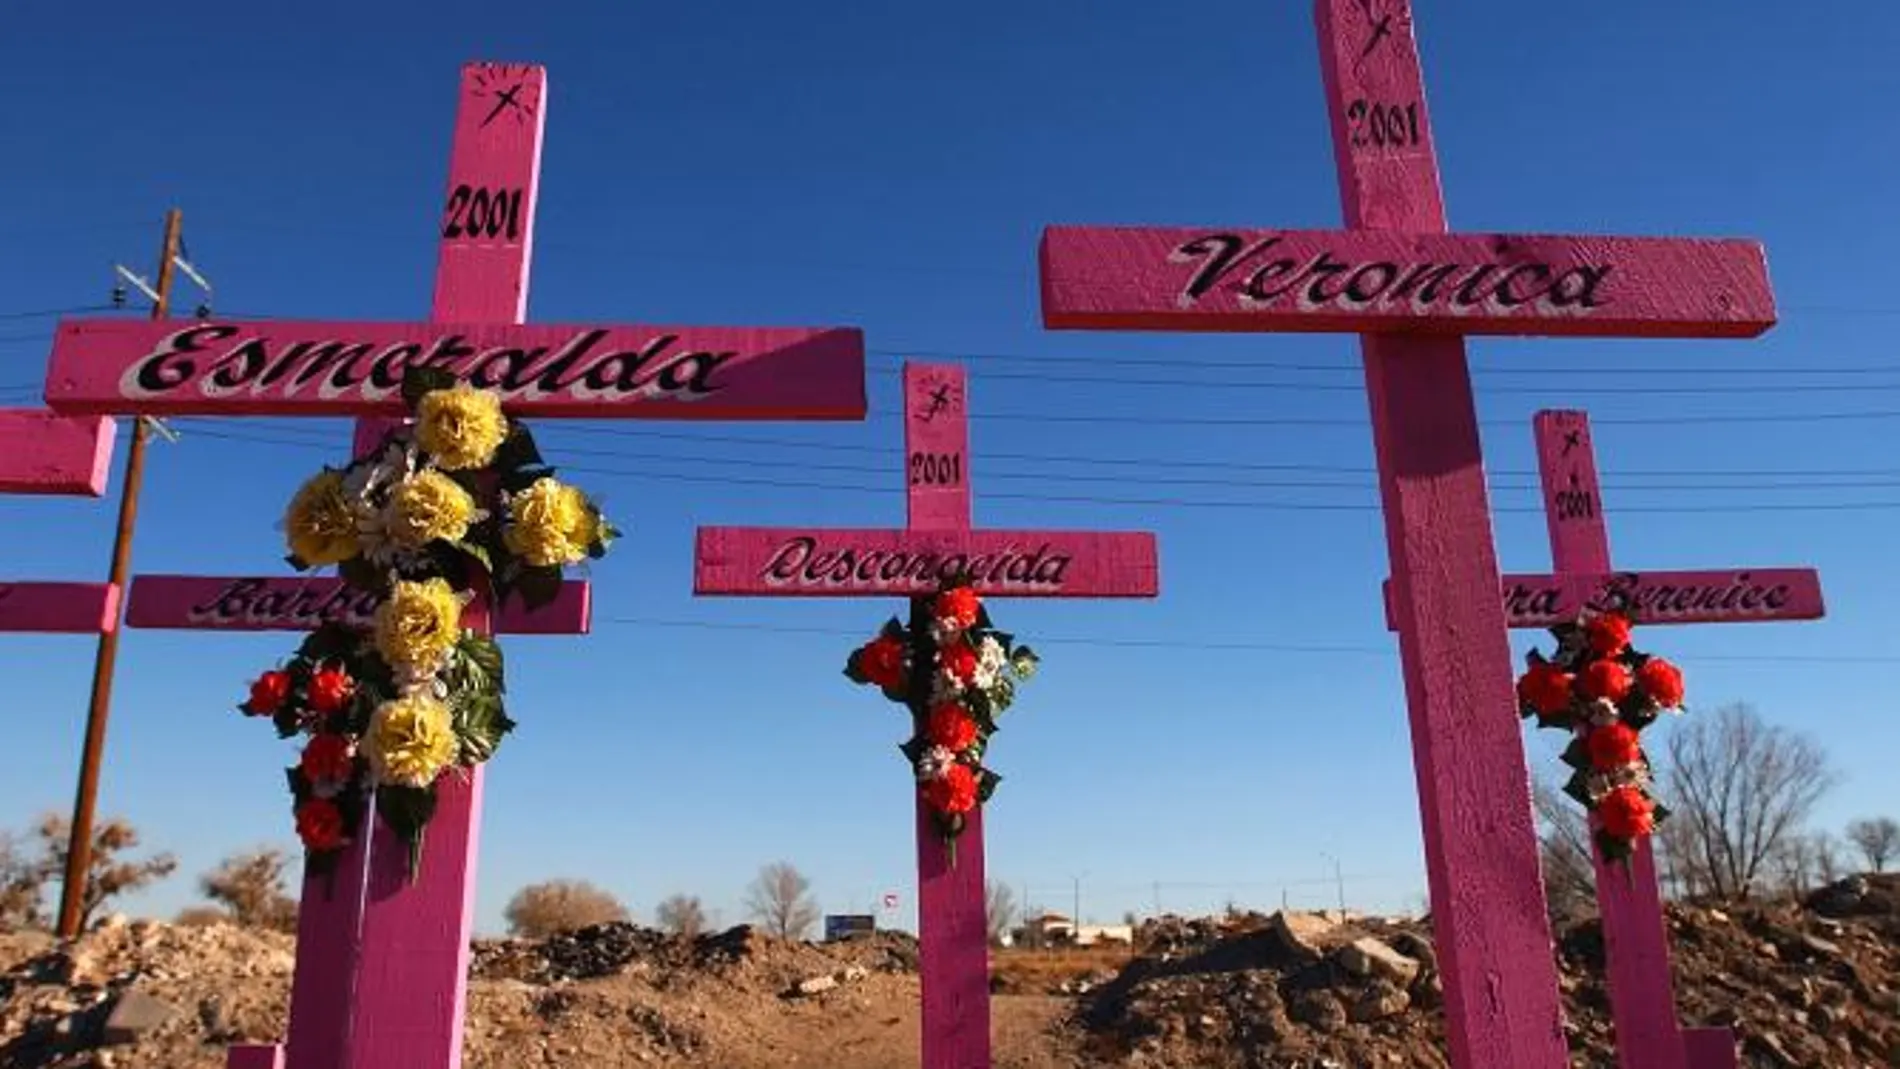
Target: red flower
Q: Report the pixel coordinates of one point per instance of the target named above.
(951, 728)
(268, 692)
(328, 759)
(882, 662)
(1609, 634)
(329, 689)
(1545, 688)
(1662, 681)
(320, 824)
(1606, 679)
(1627, 813)
(952, 792)
(959, 660)
(1613, 746)
(959, 606)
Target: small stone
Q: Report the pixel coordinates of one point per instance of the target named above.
(1820, 946)
(1299, 932)
(135, 1014)
(1369, 957)
(854, 973)
(817, 985)
(1380, 1002)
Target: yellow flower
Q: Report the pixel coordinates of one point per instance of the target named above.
(319, 525)
(410, 741)
(551, 523)
(418, 624)
(461, 426)
(428, 506)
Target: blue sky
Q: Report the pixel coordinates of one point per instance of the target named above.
(877, 165)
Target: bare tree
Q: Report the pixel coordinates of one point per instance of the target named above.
(107, 875)
(250, 886)
(22, 887)
(540, 910)
(1878, 840)
(778, 900)
(1742, 788)
(1828, 863)
(999, 910)
(682, 915)
(1564, 846)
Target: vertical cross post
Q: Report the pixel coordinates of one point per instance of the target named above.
(938, 543)
(1485, 880)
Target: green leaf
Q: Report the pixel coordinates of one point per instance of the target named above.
(408, 811)
(479, 659)
(1578, 787)
(852, 669)
(518, 451)
(480, 723)
(986, 782)
(894, 628)
(296, 562)
(476, 552)
(515, 480)
(417, 381)
(1659, 812)
(537, 586)
(913, 749)
(1577, 754)
(1613, 848)
(363, 575)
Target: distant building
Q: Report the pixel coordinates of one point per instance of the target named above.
(1054, 929)
(848, 926)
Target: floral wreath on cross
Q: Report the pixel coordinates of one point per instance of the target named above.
(1602, 690)
(454, 503)
(956, 674)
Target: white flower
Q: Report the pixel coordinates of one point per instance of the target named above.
(933, 763)
(1601, 712)
(990, 659)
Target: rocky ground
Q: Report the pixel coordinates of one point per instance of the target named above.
(1813, 985)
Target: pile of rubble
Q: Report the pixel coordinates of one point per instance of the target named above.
(1810, 985)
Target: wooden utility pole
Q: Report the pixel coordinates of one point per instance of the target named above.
(72, 894)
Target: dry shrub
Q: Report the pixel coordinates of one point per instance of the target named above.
(540, 910)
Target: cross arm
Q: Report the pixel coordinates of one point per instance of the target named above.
(288, 368)
(43, 452)
(59, 608)
(1729, 596)
(817, 562)
(1366, 281)
(278, 603)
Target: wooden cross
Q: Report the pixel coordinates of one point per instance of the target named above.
(1636, 939)
(1413, 291)
(382, 961)
(937, 543)
(47, 454)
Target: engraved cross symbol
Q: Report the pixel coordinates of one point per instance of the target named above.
(1381, 30)
(1573, 439)
(507, 98)
(939, 401)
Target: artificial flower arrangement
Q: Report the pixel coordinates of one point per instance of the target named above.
(1597, 686)
(956, 674)
(453, 504)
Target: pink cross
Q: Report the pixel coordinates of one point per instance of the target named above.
(936, 543)
(1413, 291)
(382, 962)
(48, 454)
(1642, 991)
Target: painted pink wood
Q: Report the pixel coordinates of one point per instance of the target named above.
(953, 951)
(937, 473)
(952, 934)
(255, 1056)
(844, 562)
(58, 608)
(1629, 900)
(1711, 1048)
(411, 986)
(1409, 277)
(207, 603)
(322, 984)
(1724, 596)
(283, 368)
(1502, 1005)
(43, 452)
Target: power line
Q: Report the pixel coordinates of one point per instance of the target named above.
(1170, 502)
(1210, 645)
(49, 313)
